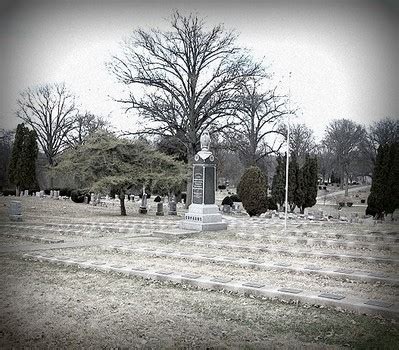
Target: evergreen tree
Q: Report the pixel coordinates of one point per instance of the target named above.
(108, 163)
(252, 191)
(293, 173)
(384, 190)
(22, 170)
(308, 184)
(278, 185)
(392, 200)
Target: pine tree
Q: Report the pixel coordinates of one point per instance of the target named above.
(392, 198)
(278, 185)
(293, 172)
(308, 189)
(384, 190)
(252, 190)
(23, 159)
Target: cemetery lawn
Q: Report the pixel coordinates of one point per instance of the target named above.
(46, 305)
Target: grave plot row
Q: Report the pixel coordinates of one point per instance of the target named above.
(243, 287)
(337, 273)
(30, 237)
(311, 253)
(343, 243)
(276, 276)
(365, 237)
(79, 230)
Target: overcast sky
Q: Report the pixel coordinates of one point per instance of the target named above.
(343, 55)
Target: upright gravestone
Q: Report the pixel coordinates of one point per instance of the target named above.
(56, 194)
(172, 208)
(143, 206)
(26, 193)
(203, 214)
(160, 209)
(15, 211)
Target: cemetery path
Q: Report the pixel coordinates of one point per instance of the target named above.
(341, 192)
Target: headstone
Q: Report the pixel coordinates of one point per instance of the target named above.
(26, 193)
(237, 207)
(56, 194)
(86, 200)
(203, 214)
(41, 194)
(37, 194)
(15, 211)
(143, 205)
(172, 208)
(226, 208)
(160, 209)
(51, 193)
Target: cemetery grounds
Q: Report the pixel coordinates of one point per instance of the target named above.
(81, 276)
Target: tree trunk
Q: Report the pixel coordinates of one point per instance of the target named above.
(122, 202)
(17, 191)
(346, 186)
(190, 157)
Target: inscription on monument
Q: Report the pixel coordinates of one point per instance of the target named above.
(198, 185)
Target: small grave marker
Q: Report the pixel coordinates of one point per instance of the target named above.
(290, 290)
(253, 285)
(379, 303)
(331, 296)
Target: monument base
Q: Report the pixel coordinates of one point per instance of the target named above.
(203, 218)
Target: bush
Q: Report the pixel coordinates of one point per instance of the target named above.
(349, 204)
(65, 192)
(157, 199)
(222, 187)
(227, 201)
(141, 195)
(78, 196)
(235, 198)
(271, 204)
(252, 190)
(8, 193)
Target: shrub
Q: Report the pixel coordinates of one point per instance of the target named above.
(78, 196)
(271, 204)
(349, 204)
(65, 192)
(252, 190)
(141, 195)
(157, 199)
(222, 187)
(227, 201)
(235, 198)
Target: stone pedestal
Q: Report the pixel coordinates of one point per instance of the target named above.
(203, 214)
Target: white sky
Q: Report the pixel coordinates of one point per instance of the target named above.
(343, 55)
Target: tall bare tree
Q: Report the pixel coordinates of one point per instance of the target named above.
(85, 125)
(190, 78)
(302, 142)
(258, 130)
(50, 110)
(344, 139)
(381, 132)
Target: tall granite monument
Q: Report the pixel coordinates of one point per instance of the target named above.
(203, 214)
